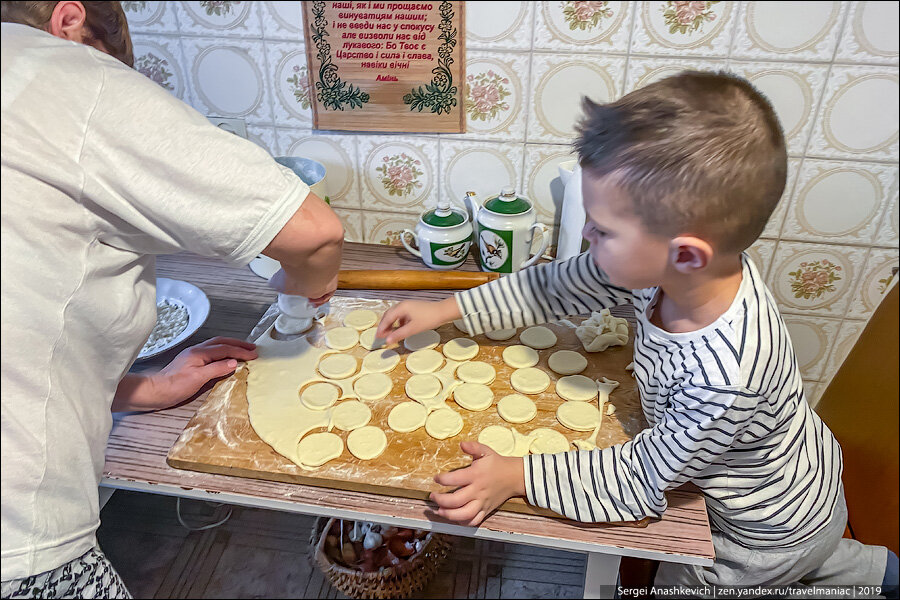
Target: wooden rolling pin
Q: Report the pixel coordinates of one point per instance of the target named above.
(412, 280)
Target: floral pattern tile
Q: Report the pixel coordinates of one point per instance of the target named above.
(387, 228)
(150, 17)
(776, 220)
(847, 336)
(338, 154)
(160, 58)
(812, 391)
(352, 221)
(282, 20)
(398, 173)
(642, 71)
(499, 25)
(583, 26)
(479, 167)
(879, 275)
(761, 252)
(683, 28)
(290, 81)
(228, 18)
(495, 95)
(799, 31)
(542, 182)
(890, 223)
(264, 136)
(811, 338)
(870, 35)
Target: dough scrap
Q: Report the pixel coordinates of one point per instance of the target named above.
(538, 337)
(519, 357)
(476, 372)
(423, 387)
(578, 416)
(381, 361)
(473, 396)
(516, 408)
(366, 442)
(423, 340)
(424, 361)
(443, 423)
(373, 386)
(601, 331)
(341, 338)
(289, 325)
(606, 388)
(317, 449)
(498, 438)
(337, 366)
(529, 380)
(319, 396)
(350, 415)
(610, 409)
(368, 340)
(407, 416)
(360, 319)
(461, 349)
(549, 441)
(500, 334)
(577, 388)
(567, 362)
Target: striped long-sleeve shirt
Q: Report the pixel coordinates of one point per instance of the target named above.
(725, 407)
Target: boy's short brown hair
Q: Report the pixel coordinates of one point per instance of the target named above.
(105, 23)
(698, 153)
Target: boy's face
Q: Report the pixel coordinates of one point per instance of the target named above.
(621, 246)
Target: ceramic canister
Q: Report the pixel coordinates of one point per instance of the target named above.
(443, 237)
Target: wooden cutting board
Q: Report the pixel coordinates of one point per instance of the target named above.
(219, 438)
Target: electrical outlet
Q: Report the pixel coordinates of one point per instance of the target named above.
(235, 126)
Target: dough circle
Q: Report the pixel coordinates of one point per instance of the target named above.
(424, 361)
(316, 449)
(516, 408)
(360, 319)
(368, 340)
(529, 380)
(423, 340)
(461, 325)
(567, 362)
(443, 423)
(577, 388)
(381, 361)
(461, 349)
(549, 441)
(407, 416)
(579, 416)
(473, 396)
(291, 326)
(337, 366)
(538, 337)
(519, 357)
(350, 415)
(341, 338)
(500, 334)
(366, 442)
(476, 372)
(319, 396)
(498, 438)
(423, 387)
(373, 386)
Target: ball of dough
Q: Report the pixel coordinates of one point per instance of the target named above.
(341, 338)
(424, 361)
(516, 408)
(443, 423)
(360, 319)
(476, 372)
(350, 415)
(423, 387)
(538, 337)
(461, 349)
(381, 361)
(567, 362)
(373, 386)
(421, 341)
(337, 366)
(316, 449)
(529, 380)
(577, 388)
(292, 326)
(368, 340)
(407, 416)
(319, 396)
(366, 442)
(549, 441)
(519, 357)
(579, 416)
(498, 438)
(500, 334)
(473, 396)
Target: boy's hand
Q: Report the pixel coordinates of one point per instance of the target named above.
(415, 316)
(483, 486)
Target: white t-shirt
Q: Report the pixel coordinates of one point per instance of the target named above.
(101, 170)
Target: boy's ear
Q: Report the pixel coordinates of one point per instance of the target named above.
(688, 253)
(67, 21)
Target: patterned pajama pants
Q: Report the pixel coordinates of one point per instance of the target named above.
(89, 576)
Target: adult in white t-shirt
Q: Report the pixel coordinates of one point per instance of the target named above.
(102, 169)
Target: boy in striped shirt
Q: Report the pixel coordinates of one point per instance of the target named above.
(679, 179)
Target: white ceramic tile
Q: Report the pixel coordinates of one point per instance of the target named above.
(353, 224)
(226, 18)
(794, 89)
(282, 20)
(871, 34)
(478, 167)
(683, 28)
(811, 338)
(495, 95)
(878, 276)
(398, 173)
(542, 183)
(150, 17)
(386, 228)
(815, 278)
(290, 82)
(338, 154)
(858, 118)
(160, 58)
(559, 81)
(263, 136)
(812, 391)
(583, 26)
(762, 251)
(890, 223)
(642, 71)
(493, 25)
(838, 202)
(843, 343)
(776, 220)
(797, 31)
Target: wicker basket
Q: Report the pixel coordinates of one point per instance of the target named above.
(396, 582)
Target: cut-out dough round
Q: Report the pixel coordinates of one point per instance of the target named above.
(424, 361)
(579, 416)
(337, 366)
(366, 442)
(498, 438)
(473, 396)
(407, 416)
(476, 372)
(320, 396)
(423, 340)
(577, 388)
(538, 337)
(368, 340)
(567, 362)
(423, 387)
(500, 334)
(443, 423)
(516, 408)
(381, 361)
(529, 380)
(350, 415)
(520, 357)
(341, 338)
(461, 325)
(549, 441)
(360, 319)
(461, 349)
(292, 326)
(316, 449)
(373, 386)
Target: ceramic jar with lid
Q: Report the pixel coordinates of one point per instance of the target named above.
(442, 236)
(504, 229)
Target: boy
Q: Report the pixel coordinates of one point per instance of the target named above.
(679, 178)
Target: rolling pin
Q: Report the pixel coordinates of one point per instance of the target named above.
(412, 280)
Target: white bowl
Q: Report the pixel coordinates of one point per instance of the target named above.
(191, 298)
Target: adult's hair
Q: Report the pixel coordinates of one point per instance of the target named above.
(698, 153)
(105, 24)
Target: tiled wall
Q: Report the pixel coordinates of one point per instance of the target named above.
(830, 68)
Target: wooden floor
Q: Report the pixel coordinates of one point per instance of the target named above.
(263, 554)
